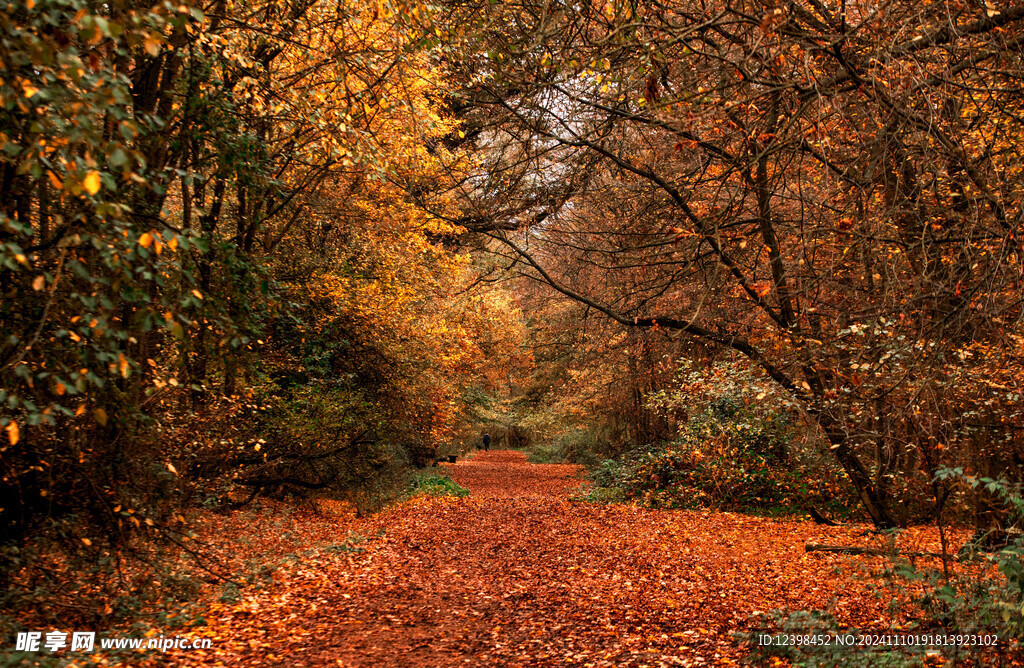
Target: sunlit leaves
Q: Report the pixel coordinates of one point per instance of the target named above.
(91, 182)
(13, 432)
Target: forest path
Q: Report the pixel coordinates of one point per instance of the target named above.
(518, 573)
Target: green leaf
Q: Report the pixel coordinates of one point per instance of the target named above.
(118, 158)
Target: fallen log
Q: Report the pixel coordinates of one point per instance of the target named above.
(850, 549)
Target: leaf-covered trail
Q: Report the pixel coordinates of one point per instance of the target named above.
(520, 574)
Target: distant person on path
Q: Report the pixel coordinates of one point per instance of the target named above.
(487, 441)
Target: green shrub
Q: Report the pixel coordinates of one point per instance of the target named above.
(587, 447)
(977, 603)
(578, 446)
(432, 484)
(546, 453)
(728, 457)
(606, 492)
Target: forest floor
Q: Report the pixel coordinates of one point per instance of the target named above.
(520, 573)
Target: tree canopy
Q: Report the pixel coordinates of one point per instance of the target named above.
(746, 253)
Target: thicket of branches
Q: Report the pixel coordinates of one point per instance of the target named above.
(831, 191)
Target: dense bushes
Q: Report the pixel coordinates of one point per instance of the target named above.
(728, 457)
(433, 484)
(577, 446)
(972, 601)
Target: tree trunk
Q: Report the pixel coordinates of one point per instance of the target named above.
(874, 502)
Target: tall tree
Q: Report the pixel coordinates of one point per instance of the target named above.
(832, 191)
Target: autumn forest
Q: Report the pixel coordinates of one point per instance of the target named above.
(380, 332)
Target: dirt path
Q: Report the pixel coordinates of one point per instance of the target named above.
(520, 574)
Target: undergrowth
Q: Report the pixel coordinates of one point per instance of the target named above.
(981, 602)
(578, 446)
(434, 484)
(727, 458)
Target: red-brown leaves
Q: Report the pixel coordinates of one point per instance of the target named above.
(521, 574)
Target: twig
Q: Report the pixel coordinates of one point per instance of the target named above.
(847, 549)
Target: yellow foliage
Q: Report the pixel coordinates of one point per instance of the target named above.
(91, 182)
